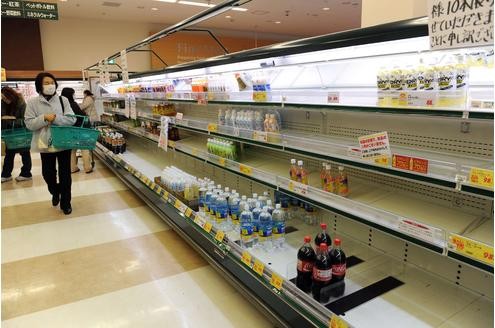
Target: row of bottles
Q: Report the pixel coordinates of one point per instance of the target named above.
(113, 141)
(321, 266)
(180, 182)
(338, 184)
(223, 148)
(256, 120)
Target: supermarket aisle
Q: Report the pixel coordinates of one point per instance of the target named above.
(111, 263)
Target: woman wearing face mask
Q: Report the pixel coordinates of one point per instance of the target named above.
(88, 106)
(41, 112)
(13, 108)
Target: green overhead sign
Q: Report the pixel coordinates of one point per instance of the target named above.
(29, 9)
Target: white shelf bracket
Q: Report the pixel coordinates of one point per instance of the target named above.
(459, 180)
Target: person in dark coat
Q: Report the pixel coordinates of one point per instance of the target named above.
(13, 108)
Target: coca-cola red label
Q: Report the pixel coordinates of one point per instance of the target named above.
(305, 266)
(338, 269)
(322, 275)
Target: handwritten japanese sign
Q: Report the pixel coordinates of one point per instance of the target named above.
(375, 147)
(460, 23)
(163, 140)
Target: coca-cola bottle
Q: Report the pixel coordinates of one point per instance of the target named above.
(322, 274)
(305, 261)
(323, 237)
(338, 258)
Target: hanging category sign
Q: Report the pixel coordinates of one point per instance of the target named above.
(460, 23)
(123, 64)
(29, 9)
(163, 140)
(132, 104)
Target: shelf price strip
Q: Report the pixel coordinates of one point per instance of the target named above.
(276, 281)
(188, 212)
(220, 235)
(471, 248)
(258, 267)
(337, 322)
(246, 258)
(245, 169)
(200, 221)
(298, 188)
(481, 177)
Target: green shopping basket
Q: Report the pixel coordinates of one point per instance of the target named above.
(74, 137)
(17, 138)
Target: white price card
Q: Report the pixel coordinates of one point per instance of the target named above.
(375, 147)
(456, 24)
(420, 230)
(133, 110)
(127, 107)
(179, 116)
(163, 140)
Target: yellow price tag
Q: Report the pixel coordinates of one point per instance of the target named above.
(159, 190)
(188, 212)
(165, 195)
(169, 95)
(171, 144)
(337, 322)
(212, 127)
(382, 160)
(471, 248)
(481, 177)
(258, 267)
(221, 161)
(208, 227)
(291, 186)
(245, 169)
(177, 204)
(219, 236)
(276, 281)
(246, 258)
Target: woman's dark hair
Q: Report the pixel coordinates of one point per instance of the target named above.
(13, 96)
(88, 93)
(38, 82)
(69, 94)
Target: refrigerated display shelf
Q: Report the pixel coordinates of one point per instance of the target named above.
(381, 208)
(188, 97)
(442, 167)
(423, 300)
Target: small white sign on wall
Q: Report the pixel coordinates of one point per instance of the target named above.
(460, 23)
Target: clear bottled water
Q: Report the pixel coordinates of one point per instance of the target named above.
(246, 229)
(265, 229)
(221, 211)
(202, 198)
(256, 221)
(234, 211)
(253, 201)
(269, 206)
(207, 204)
(278, 217)
(213, 206)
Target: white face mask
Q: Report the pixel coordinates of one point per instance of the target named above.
(49, 89)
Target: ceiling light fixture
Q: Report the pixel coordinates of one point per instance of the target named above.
(326, 8)
(63, 0)
(277, 22)
(168, 1)
(198, 4)
(154, 9)
(228, 16)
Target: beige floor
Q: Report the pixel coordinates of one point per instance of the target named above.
(111, 263)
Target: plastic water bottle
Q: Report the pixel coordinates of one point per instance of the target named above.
(253, 201)
(243, 203)
(269, 206)
(265, 230)
(207, 204)
(234, 211)
(247, 233)
(256, 222)
(258, 121)
(213, 206)
(221, 211)
(278, 217)
(202, 198)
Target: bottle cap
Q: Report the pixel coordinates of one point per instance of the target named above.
(337, 242)
(293, 161)
(278, 206)
(234, 191)
(323, 226)
(255, 195)
(323, 247)
(269, 202)
(341, 168)
(307, 239)
(300, 163)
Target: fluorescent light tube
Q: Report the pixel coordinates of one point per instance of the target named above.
(169, 1)
(192, 3)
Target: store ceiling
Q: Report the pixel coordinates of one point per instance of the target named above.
(287, 17)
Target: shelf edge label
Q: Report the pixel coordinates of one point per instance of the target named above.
(471, 248)
(298, 188)
(481, 177)
(258, 267)
(245, 169)
(276, 281)
(420, 230)
(246, 258)
(408, 163)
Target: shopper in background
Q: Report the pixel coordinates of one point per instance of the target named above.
(88, 106)
(41, 112)
(13, 108)
(85, 154)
